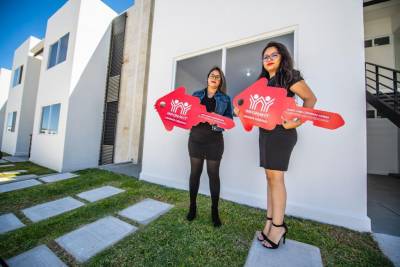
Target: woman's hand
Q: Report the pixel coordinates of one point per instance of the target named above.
(236, 111)
(291, 124)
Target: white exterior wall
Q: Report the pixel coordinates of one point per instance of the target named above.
(326, 180)
(381, 55)
(383, 135)
(81, 75)
(17, 142)
(5, 79)
(382, 146)
(28, 105)
(88, 85)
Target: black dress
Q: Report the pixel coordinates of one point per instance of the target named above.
(204, 143)
(276, 145)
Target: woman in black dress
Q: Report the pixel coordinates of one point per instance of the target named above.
(206, 143)
(276, 145)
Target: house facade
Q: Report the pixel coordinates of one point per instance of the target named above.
(68, 112)
(102, 72)
(19, 114)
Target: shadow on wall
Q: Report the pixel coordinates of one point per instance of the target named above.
(85, 111)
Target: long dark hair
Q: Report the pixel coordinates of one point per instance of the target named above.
(222, 84)
(285, 73)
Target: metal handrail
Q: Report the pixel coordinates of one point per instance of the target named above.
(378, 82)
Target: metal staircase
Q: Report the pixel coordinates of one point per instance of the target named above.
(382, 90)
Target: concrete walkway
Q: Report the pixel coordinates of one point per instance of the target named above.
(390, 246)
(16, 158)
(21, 182)
(145, 211)
(128, 168)
(91, 239)
(52, 178)
(384, 204)
(100, 193)
(7, 180)
(9, 222)
(18, 185)
(50, 209)
(292, 253)
(40, 256)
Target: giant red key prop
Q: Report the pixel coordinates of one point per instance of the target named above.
(263, 106)
(185, 111)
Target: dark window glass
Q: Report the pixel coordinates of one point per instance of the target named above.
(17, 78)
(367, 43)
(382, 41)
(62, 54)
(58, 51)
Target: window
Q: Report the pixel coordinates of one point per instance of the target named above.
(58, 51)
(242, 65)
(382, 41)
(50, 117)
(11, 119)
(17, 78)
(367, 43)
(192, 72)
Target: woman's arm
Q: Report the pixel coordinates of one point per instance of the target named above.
(306, 94)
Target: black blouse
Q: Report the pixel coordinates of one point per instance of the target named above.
(296, 77)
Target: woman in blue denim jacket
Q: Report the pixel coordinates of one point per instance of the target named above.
(206, 142)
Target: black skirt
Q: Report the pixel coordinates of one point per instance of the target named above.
(276, 147)
(205, 143)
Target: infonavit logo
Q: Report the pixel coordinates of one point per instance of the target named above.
(184, 106)
(266, 102)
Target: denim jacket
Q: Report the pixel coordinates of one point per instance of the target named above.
(223, 105)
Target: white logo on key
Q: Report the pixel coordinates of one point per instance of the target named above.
(266, 102)
(183, 106)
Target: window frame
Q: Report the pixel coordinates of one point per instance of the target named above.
(13, 121)
(57, 45)
(47, 131)
(263, 36)
(20, 70)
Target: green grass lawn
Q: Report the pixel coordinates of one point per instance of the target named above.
(171, 240)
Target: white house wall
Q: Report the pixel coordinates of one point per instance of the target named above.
(78, 84)
(5, 79)
(54, 87)
(326, 180)
(88, 84)
(28, 105)
(15, 95)
(381, 55)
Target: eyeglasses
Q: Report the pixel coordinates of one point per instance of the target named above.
(273, 56)
(213, 77)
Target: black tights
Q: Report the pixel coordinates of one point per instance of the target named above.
(213, 174)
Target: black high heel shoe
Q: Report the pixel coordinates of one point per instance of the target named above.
(215, 217)
(192, 213)
(274, 245)
(262, 231)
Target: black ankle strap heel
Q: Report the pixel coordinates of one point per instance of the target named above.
(276, 245)
(262, 231)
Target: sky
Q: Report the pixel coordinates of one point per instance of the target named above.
(23, 18)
